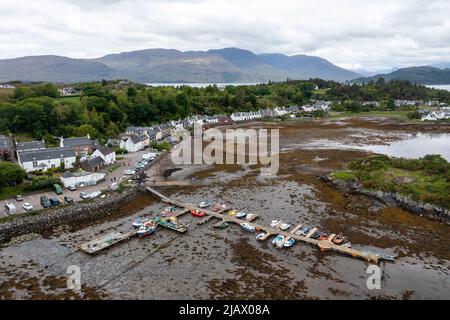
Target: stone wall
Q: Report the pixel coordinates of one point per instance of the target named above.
(70, 214)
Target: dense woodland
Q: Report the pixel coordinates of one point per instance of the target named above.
(105, 108)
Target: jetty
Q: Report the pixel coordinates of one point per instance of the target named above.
(106, 241)
(323, 245)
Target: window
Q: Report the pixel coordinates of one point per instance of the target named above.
(35, 164)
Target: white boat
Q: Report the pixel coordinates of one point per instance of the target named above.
(250, 216)
(289, 243)
(260, 236)
(145, 231)
(139, 222)
(248, 227)
(278, 240)
(204, 204)
(240, 214)
(285, 226)
(347, 245)
(275, 223)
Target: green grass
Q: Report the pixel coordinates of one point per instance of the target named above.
(9, 192)
(402, 115)
(115, 167)
(425, 180)
(74, 99)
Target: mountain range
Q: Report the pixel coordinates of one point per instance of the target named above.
(422, 75)
(170, 65)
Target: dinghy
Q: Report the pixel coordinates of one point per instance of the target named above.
(232, 212)
(275, 223)
(250, 216)
(145, 231)
(285, 226)
(204, 204)
(289, 243)
(248, 227)
(240, 214)
(278, 240)
(260, 236)
(197, 213)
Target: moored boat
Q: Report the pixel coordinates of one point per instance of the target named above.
(139, 222)
(145, 231)
(339, 239)
(285, 226)
(278, 240)
(324, 236)
(275, 223)
(224, 225)
(240, 214)
(248, 227)
(197, 213)
(204, 204)
(218, 207)
(289, 243)
(260, 236)
(250, 216)
(316, 235)
(303, 231)
(232, 213)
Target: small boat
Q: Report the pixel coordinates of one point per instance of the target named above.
(347, 244)
(304, 231)
(285, 226)
(289, 243)
(250, 216)
(278, 240)
(232, 212)
(197, 213)
(275, 223)
(339, 239)
(240, 214)
(145, 231)
(260, 236)
(324, 236)
(204, 204)
(316, 235)
(248, 227)
(218, 207)
(224, 225)
(139, 222)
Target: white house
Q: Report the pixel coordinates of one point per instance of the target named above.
(133, 143)
(47, 159)
(435, 115)
(106, 153)
(78, 179)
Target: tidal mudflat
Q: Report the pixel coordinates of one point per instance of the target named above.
(208, 263)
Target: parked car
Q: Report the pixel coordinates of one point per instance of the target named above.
(18, 198)
(149, 156)
(55, 202)
(72, 188)
(27, 206)
(57, 188)
(130, 172)
(84, 195)
(45, 202)
(68, 199)
(10, 208)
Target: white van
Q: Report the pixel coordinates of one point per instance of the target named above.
(10, 208)
(149, 156)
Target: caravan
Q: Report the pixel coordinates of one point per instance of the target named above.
(10, 208)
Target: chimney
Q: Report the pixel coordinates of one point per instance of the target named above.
(88, 136)
(61, 142)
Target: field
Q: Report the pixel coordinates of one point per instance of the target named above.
(72, 99)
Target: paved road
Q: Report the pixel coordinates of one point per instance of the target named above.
(130, 160)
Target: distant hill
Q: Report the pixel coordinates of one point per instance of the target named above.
(441, 65)
(170, 65)
(52, 69)
(422, 75)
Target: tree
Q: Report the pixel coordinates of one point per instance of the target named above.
(11, 174)
(86, 129)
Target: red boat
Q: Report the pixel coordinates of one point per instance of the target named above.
(197, 213)
(324, 236)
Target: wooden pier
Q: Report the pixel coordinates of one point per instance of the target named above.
(106, 241)
(322, 244)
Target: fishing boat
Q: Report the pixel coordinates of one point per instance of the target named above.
(145, 231)
(316, 235)
(223, 225)
(324, 236)
(197, 213)
(250, 216)
(204, 204)
(346, 244)
(275, 223)
(289, 243)
(248, 227)
(261, 236)
(218, 207)
(139, 222)
(278, 240)
(284, 226)
(339, 239)
(304, 231)
(232, 212)
(240, 214)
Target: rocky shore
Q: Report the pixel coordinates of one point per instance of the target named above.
(75, 213)
(391, 199)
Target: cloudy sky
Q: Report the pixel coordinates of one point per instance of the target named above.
(354, 34)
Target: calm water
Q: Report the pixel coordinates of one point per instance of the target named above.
(416, 147)
(202, 85)
(440, 86)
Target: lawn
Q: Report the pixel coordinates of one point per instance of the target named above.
(402, 115)
(72, 99)
(9, 192)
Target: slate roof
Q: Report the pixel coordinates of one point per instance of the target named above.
(105, 150)
(32, 145)
(6, 142)
(46, 154)
(79, 141)
(98, 161)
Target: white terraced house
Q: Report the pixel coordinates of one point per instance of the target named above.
(107, 154)
(47, 159)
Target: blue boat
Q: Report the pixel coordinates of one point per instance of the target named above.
(137, 223)
(145, 231)
(278, 240)
(289, 243)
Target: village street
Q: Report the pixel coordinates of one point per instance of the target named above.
(116, 176)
